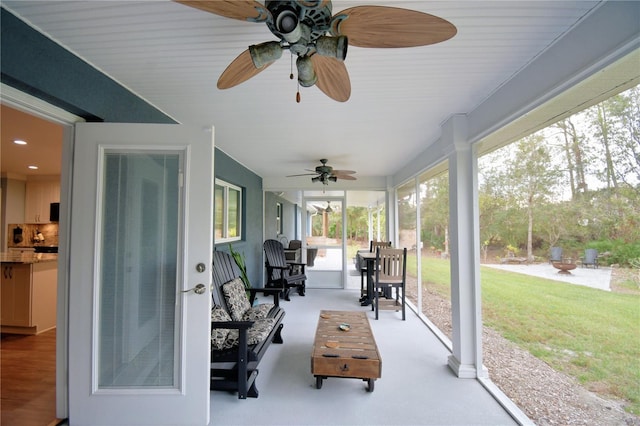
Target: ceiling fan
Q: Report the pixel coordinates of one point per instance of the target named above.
(320, 209)
(319, 39)
(326, 174)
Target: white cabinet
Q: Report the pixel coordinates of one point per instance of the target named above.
(28, 297)
(39, 196)
(16, 294)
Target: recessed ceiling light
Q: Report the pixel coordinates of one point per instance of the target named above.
(33, 167)
(19, 142)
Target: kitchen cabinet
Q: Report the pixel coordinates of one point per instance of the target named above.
(38, 199)
(28, 297)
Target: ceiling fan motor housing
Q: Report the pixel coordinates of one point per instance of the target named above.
(290, 17)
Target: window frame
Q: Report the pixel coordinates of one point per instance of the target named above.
(279, 211)
(226, 187)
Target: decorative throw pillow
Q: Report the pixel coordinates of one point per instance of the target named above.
(258, 312)
(219, 335)
(236, 297)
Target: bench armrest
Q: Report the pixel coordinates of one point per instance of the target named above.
(275, 292)
(234, 325)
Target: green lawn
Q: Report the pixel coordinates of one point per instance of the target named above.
(590, 334)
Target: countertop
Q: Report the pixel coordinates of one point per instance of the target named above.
(28, 257)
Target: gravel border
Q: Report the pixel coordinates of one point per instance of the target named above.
(546, 396)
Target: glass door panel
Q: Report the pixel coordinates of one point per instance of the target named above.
(138, 333)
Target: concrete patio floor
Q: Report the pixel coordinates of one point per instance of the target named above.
(417, 387)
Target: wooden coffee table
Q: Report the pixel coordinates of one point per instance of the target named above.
(344, 347)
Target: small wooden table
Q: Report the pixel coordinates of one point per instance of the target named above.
(350, 353)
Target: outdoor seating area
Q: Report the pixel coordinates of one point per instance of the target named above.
(412, 358)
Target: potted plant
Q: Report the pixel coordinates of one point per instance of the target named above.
(239, 259)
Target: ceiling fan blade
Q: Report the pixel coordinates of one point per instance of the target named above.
(382, 26)
(248, 10)
(239, 71)
(342, 172)
(346, 177)
(333, 77)
(303, 174)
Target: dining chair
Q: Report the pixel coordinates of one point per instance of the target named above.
(391, 273)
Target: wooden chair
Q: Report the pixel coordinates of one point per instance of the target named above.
(590, 258)
(282, 273)
(373, 245)
(391, 273)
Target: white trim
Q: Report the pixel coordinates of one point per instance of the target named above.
(37, 107)
(226, 186)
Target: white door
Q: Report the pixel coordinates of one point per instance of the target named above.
(141, 245)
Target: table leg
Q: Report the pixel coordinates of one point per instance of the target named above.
(370, 265)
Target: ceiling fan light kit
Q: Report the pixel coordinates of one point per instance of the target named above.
(306, 75)
(320, 40)
(265, 53)
(334, 47)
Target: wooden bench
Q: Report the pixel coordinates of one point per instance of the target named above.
(511, 258)
(344, 346)
(238, 344)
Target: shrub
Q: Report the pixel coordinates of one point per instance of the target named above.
(618, 252)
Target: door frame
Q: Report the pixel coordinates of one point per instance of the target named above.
(307, 200)
(41, 109)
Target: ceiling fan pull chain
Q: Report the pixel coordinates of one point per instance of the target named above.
(298, 94)
(291, 74)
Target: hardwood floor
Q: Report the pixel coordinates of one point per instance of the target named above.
(28, 379)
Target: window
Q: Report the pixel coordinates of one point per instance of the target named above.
(228, 212)
(279, 218)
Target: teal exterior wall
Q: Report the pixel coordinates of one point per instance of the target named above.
(34, 64)
(233, 172)
(289, 214)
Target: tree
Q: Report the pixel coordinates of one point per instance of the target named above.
(575, 158)
(527, 178)
(434, 211)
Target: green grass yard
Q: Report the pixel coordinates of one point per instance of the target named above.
(590, 334)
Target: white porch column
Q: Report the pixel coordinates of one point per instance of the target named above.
(466, 359)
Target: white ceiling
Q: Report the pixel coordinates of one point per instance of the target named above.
(171, 55)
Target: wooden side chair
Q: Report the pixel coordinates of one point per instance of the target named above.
(373, 245)
(391, 273)
(282, 273)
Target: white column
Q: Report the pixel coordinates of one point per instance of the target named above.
(466, 359)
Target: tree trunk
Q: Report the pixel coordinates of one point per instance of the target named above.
(612, 181)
